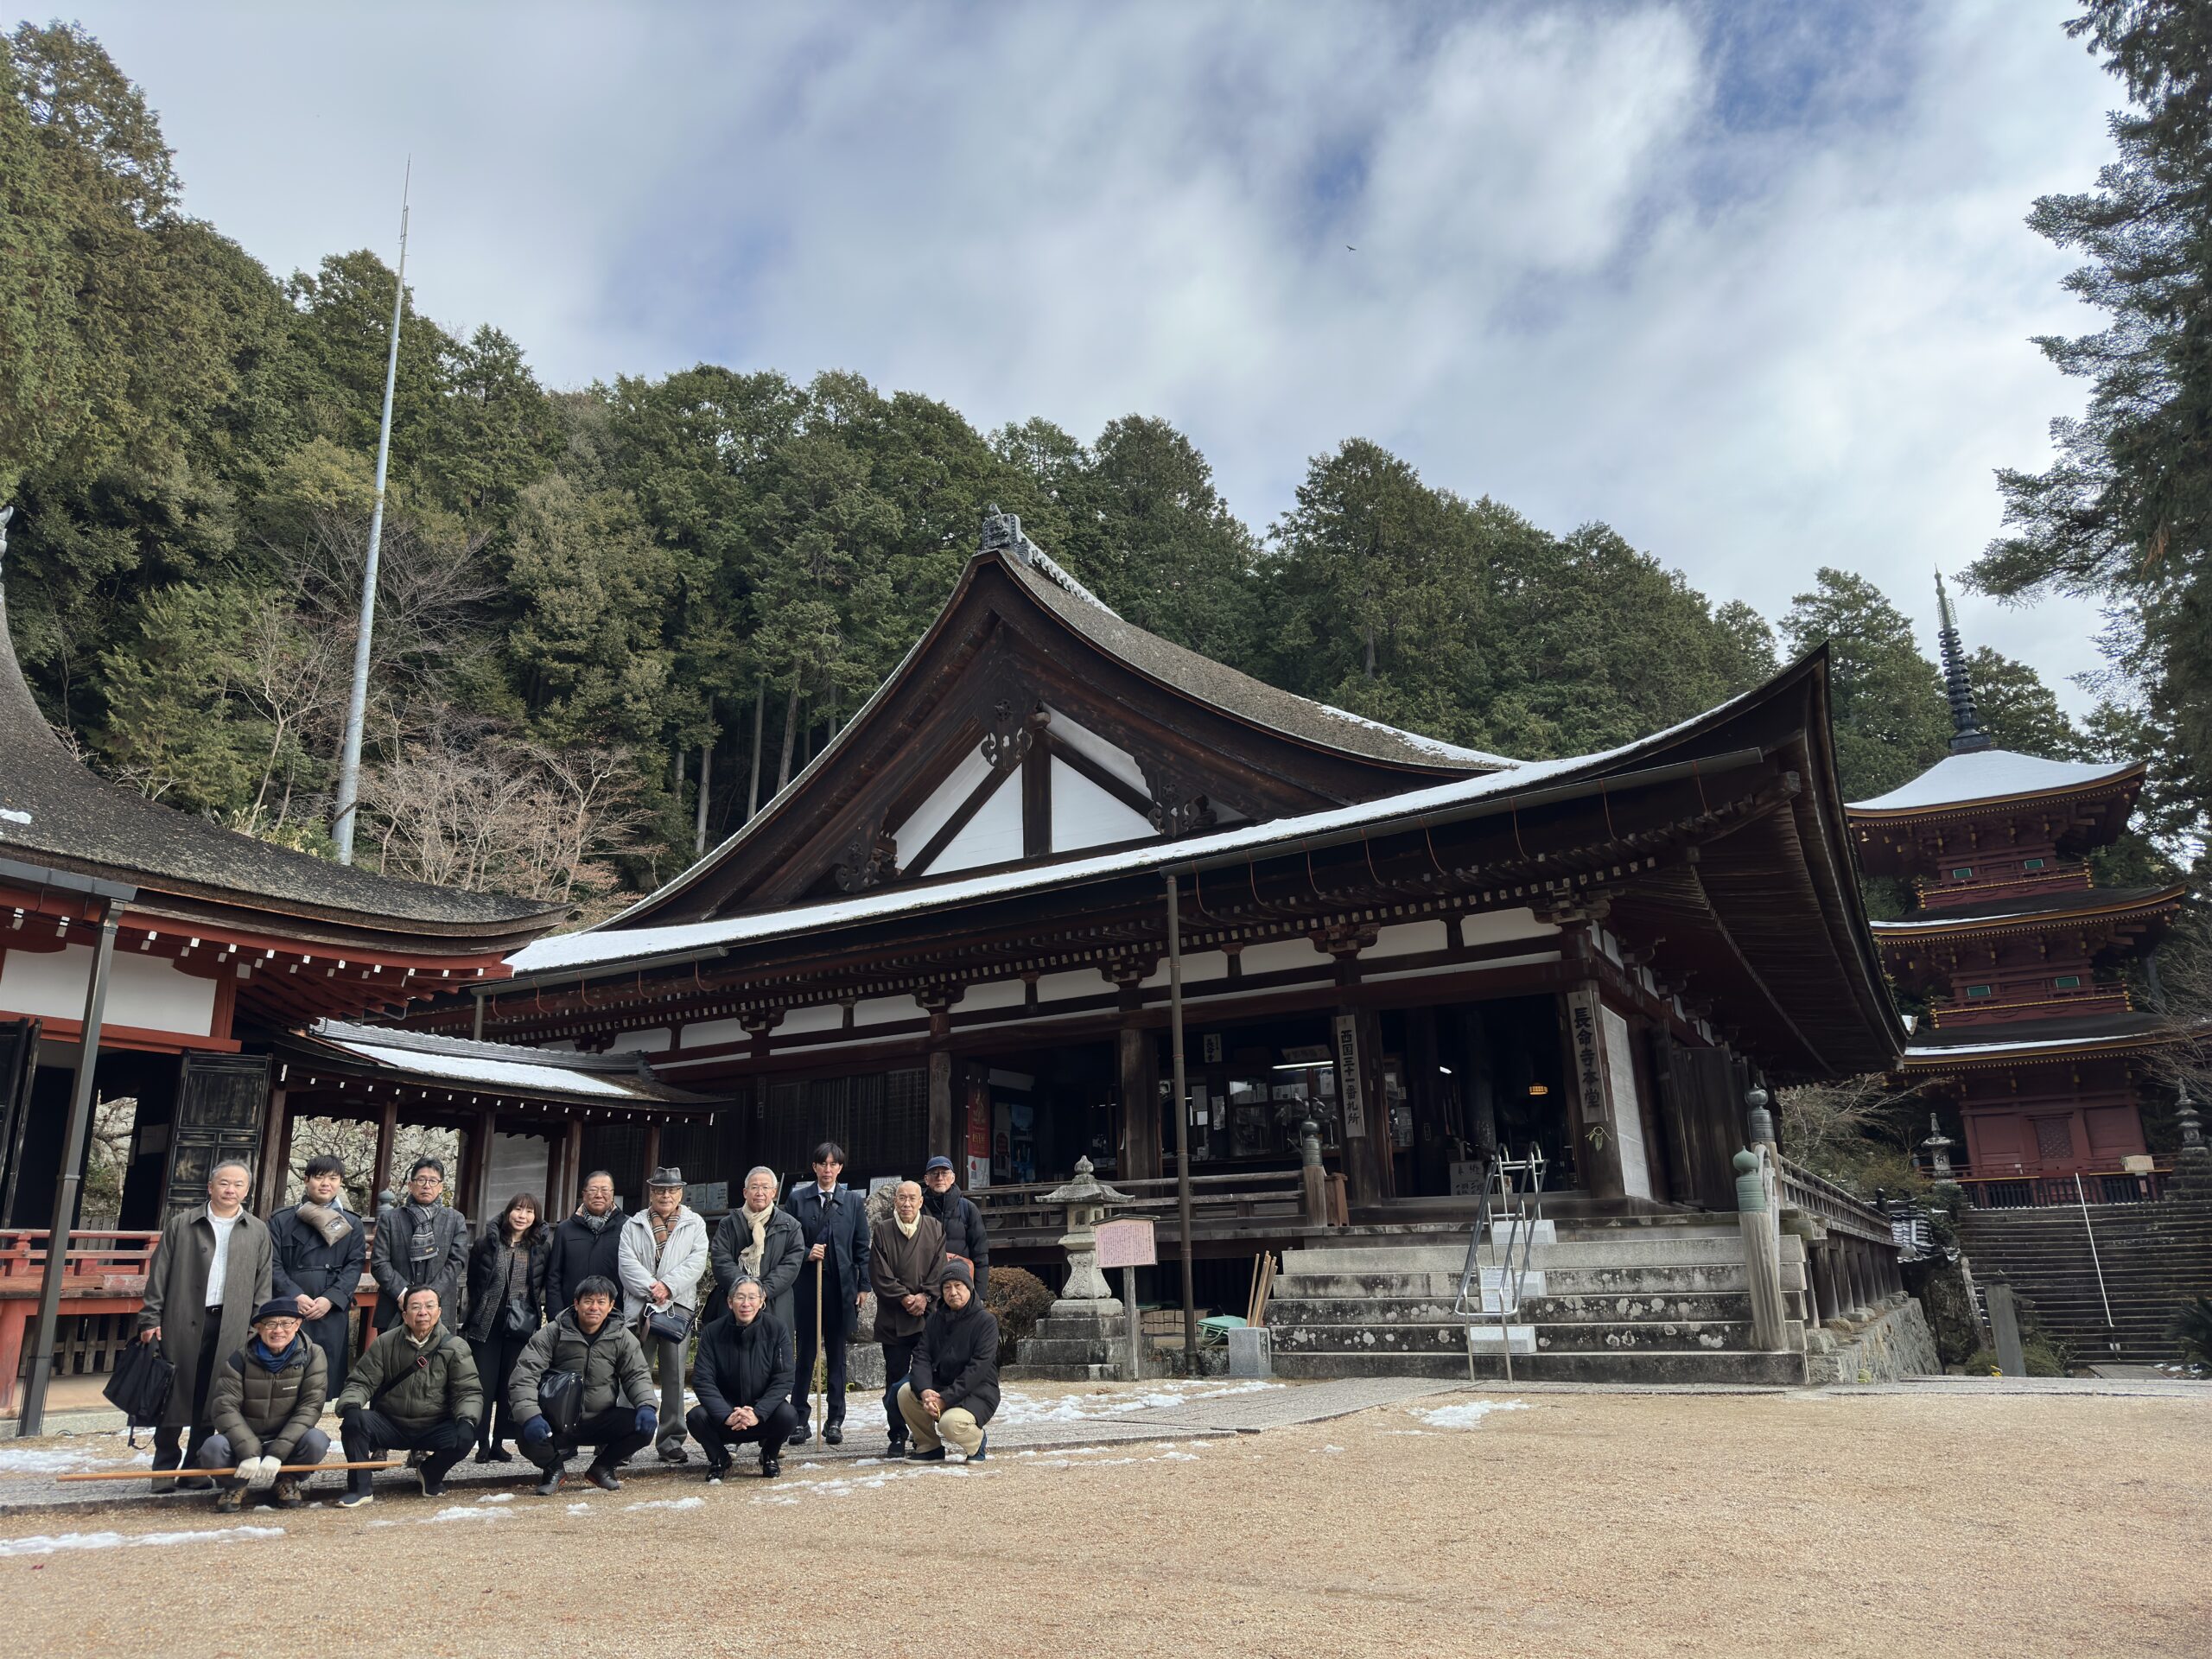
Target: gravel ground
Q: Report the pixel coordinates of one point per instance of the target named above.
(1931, 1523)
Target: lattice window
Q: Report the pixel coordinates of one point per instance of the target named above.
(2054, 1138)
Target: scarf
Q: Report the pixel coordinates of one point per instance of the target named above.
(662, 1225)
(423, 1244)
(906, 1229)
(270, 1361)
(596, 1223)
(749, 1258)
(329, 1220)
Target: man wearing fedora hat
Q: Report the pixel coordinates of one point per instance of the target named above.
(664, 1254)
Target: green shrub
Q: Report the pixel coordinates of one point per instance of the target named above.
(2192, 1330)
(1020, 1298)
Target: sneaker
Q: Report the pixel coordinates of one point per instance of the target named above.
(935, 1454)
(603, 1477)
(834, 1435)
(430, 1488)
(354, 1496)
(230, 1500)
(288, 1494)
(673, 1452)
(982, 1446)
(551, 1484)
(771, 1467)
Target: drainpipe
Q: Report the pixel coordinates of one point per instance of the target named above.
(110, 895)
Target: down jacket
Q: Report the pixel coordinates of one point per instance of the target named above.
(440, 1385)
(487, 1282)
(958, 1356)
(263, 1412)
(610, 1363)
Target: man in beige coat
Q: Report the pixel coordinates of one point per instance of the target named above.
(208, 1274)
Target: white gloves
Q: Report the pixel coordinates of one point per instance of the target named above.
(259, 1473)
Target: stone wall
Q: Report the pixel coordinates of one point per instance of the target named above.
(1896, 1343)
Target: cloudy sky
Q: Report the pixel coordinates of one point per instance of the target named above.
(1748, 281)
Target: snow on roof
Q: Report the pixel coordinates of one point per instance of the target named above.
(1435, 745)
(603, 946)
(496, 1065)
(1990, 775)
(1935, 1053)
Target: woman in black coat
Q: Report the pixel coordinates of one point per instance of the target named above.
(507, 1301)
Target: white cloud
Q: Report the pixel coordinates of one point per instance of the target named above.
(1760, 300)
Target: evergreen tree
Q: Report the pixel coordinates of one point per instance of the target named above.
(1891, 721)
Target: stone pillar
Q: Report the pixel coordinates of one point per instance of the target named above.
(1313, 1178)
(1821, 1266)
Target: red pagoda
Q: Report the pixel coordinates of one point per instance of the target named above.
(2031, 1032)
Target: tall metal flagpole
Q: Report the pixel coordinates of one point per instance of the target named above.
(357, 705)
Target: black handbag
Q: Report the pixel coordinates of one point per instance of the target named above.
(516, 1319)
(671, 1324)
(561, 1397)
(141, 1386)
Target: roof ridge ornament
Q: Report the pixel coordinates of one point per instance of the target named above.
(1967, 735)
(1002, 534)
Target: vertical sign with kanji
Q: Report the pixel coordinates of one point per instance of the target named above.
(1582, 1010)
(1348, 1089)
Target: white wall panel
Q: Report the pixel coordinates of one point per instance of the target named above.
(149, 992)
(1084, 815)
(931, 815)
(992, 836)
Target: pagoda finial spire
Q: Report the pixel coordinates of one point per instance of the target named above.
(1966, 724)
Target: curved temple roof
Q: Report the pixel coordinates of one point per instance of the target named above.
(1991, 775)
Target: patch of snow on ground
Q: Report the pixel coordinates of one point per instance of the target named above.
(579, 1509)
(47, 1543)
(668, 1503)
(60, 1460)
(461, 1512)
(1018, 1406)
(1333, 1448)
(1469, 1415)
(497, 1497)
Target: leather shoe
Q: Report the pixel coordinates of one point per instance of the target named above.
(603, 1477)
(834, 1435)
(771, 1467)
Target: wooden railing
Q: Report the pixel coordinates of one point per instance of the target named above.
(109, 1260)
(1990, 1187)
(1798, 1188)
(1018, 1215)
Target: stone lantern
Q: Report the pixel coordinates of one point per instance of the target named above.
(1084, 1338)
(1087, 1199)
(1937, 1145)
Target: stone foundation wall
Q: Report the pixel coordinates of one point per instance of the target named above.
(1896, 1343)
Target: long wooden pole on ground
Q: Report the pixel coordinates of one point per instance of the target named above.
(1182, 1120)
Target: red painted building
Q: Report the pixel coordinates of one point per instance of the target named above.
(2030, 1033)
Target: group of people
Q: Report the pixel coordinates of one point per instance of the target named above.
(516, 1336)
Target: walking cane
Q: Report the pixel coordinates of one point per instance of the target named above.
(821, 1336)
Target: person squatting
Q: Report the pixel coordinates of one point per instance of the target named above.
(561, 1337)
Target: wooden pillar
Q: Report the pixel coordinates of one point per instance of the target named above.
(653, 1163)
(387, 1134)
(1140, 1069)
(572, 1169)
(480, 1198)
(1425, 1092)
(276, 1143)
(943, 1125)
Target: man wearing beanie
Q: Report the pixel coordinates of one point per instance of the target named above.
(953, 1389)
(266, 1401)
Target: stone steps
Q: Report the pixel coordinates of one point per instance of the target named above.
(1636, 1366)
(1617, 1336)
(2154, 1258)
(1539, 1310)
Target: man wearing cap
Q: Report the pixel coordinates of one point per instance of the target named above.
(743, 1379)
(833, 1223)
(414, 1390)
(663, 1253)
(905, 1260)
(321, 1254)
(953, 1389)
(267, 1399)
(420, 1241)
(615, 1414)
(759, 1239)
(955, 1211)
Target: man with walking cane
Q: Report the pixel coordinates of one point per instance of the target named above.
(833, 1224)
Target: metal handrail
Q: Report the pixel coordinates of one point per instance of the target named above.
(1502, 1192)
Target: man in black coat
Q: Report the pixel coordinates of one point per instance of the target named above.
(587, 1245)
(833, 1224)
(422, 1242)
(743, 1378)
(319, 1251)
(951, 1393)
(963, 1222)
